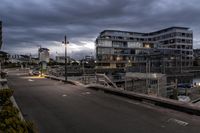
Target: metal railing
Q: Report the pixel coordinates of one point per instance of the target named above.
(100, 79)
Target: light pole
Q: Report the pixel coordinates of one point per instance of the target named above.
(84, 73)
(65, 43)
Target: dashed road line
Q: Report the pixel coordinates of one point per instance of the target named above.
(86, 93)
(30, 80)
(64, 95)
(179, 122)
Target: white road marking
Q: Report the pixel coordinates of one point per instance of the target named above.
(163, 126)
(179, 122)
(30, 80)
(132, 102)
(86, 93)
(64, 95)
(20, 74)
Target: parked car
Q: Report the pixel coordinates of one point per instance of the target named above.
(34, 72)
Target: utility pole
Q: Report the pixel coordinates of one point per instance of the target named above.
(65, 43)
(147, 76)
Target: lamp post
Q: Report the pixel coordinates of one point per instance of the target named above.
(65, 43)
(84, 73)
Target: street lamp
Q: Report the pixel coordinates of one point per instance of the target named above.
(84, 73)
(83, 65)
(65, 43)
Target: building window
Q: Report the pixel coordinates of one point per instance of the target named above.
(104, 43)
(119, 44)
(183, 34)
(183, 40)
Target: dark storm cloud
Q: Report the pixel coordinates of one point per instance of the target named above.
(29, 22)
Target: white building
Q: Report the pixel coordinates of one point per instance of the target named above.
(15, 58)
(61, 59)
(43, 54)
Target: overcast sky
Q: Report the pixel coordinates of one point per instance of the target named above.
(27, 24)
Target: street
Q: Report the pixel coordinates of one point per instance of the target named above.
(56, 107)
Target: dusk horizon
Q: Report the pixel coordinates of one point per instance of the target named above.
(30, 24)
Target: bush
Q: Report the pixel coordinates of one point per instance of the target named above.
(5, 95)
(8, 111)
(8, 103)
(14, 125)
(10, 122)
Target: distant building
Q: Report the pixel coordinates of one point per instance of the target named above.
(43, 54)
(15, 58)
(88, 57)
(196, 52)
(88, 61)
(1, 38)
(61, 59)
(196, 57)
(34, 60)
(119, 49)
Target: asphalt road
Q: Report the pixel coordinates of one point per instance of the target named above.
(56, 107)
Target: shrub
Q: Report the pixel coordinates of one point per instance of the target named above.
(14, 124)
(7, 112)
(8, 103)
(10, 122)
(5, 95)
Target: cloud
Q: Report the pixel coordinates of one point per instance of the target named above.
(28, 24)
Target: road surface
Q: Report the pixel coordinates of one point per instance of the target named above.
(56, 107)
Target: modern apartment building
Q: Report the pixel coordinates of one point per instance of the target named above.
(1, 38)
(171, 47)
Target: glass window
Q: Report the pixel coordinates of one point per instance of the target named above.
(134, 44)
(105, 43)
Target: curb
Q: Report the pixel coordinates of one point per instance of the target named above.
(63, 80)
(158, 101)
(15, 105)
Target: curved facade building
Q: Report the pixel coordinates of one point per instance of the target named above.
(1, 38)
(171, 48)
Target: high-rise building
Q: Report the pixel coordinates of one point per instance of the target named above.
(115, 49)
(43, 55)
(1, 38)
